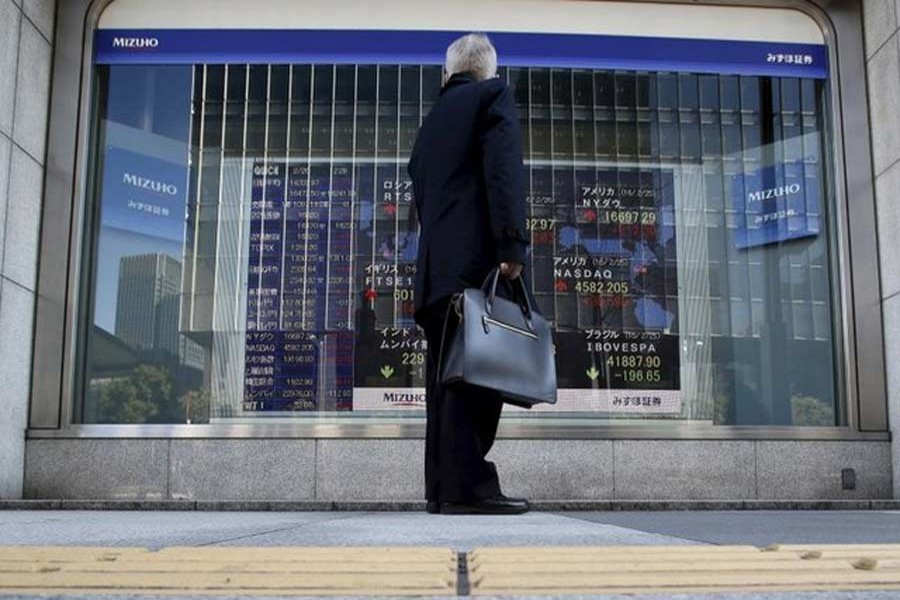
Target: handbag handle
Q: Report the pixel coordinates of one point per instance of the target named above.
(491, 281)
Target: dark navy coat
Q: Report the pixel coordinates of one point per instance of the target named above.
(469, 186)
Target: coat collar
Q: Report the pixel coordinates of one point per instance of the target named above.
(458, 79)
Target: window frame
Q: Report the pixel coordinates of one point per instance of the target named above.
(61, 309)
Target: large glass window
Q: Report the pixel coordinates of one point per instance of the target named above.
(255, 243)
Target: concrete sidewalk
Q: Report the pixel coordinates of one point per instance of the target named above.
(158, 530)
(461, 533)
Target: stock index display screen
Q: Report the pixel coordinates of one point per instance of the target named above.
(300, 244)
(331, 264)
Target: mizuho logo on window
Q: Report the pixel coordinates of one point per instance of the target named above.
(135, 42)
(159, 187)
(772, 193)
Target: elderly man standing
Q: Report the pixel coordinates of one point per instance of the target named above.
(468, 180)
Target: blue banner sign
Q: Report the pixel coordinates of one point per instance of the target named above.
(144, 194)
(191, 46)
(775, 204)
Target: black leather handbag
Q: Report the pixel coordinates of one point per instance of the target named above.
(500, 344)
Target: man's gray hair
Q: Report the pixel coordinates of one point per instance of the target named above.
(473, 53)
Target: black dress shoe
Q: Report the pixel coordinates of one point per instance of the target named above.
(516, 500)
(496, 505)
(433, 508)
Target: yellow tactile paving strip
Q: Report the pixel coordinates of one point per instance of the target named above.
(690, 569)
(233, 570)
(407, 571)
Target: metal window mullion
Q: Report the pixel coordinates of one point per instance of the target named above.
(725, 275)
(758, 165)
(779, 158)
(551, 120)
(237, 299)
(351, 274)
(199, 188)
(329, 197)
(701, 225)
(375, 176)
(286, 196)
(574, 178)
(265, 187)
(421, 94)
(530, 117)
(804, 253)
(394, 300)
(215, 279)
(748, 253)
(312, 94)
(187, 187)
(596, 172)
(781, 172)
(811, 269)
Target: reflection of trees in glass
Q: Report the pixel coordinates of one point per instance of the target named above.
(736, 397)
(195, 404)
(148, 395)
(142, 397)
(811, 411)
(149, 371)
(806, 411)
(722, 409)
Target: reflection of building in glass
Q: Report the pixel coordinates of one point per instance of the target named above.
(147, 309)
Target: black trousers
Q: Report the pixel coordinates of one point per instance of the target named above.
(461, 426)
